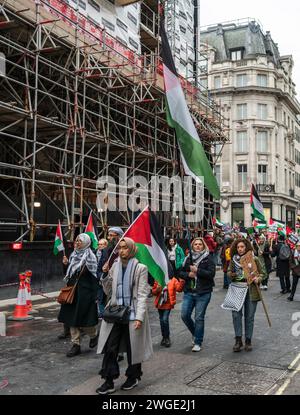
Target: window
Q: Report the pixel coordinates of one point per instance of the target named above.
(236, 55)
(237, 213)
(276, 113)
(218, 174)
(262, 174)
(242, 111)
(82, 4)
(241, 80)
(133, 43)
(262, 80)
(94, 5)
(122, 25)
(242, 176)
(242, 142)
(132, 18)
(262, 113)
(262, 141)
(108, 24)
(217, 82)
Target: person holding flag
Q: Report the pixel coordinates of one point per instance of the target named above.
(125, 283)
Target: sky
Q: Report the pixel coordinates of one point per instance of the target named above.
(280, 17)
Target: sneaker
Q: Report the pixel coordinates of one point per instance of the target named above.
(94, 342)
(74, 351)
(196, 348)
(129, 384)
(106, 388)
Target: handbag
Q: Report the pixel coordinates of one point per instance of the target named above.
(118, 313)
(235, 296)
(67, 294)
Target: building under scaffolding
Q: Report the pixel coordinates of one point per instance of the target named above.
(75, 104)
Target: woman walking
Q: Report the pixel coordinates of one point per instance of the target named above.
(125, 284)
(198, 273)
(175, 255)
(295, 267)
(81, 315)
(238, 275)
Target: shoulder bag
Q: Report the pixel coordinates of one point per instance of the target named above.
(67, 294)
(119, 313)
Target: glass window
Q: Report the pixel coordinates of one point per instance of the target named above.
(262, 141)
(237, 213)
(237, 55)
(241, 80)
(262, 113)
(262, 174)
(94, 5)
(242, 111)
(242, 176)
(242, 142)
(217, 82)
(218, 174)
(262, 80)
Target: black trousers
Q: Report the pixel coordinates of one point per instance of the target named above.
(294, 285)
(110, 366)
(285, 282)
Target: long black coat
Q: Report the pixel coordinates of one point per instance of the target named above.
(283, 267)
(83, 311)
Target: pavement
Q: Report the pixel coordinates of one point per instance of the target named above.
(33, 361)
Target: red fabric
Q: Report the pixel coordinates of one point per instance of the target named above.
(211, 243)
(173, 286)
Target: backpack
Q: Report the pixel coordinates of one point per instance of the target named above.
(284, 253)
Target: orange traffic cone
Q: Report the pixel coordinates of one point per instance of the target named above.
(28, 275)
(21, 311)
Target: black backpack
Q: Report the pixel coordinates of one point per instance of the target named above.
(284, 252)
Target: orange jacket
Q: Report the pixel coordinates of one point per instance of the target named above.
(174, 286)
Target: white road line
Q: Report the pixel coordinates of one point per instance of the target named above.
(12, 301)
(288, 381)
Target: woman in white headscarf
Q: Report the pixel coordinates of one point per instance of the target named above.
(82, 314)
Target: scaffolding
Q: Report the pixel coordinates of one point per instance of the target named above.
(74, 105)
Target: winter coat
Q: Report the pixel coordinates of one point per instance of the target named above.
(140, 340)
(83, 311)
(211, 244)
(266, 256)
(205, 276)
(295, 268)
(283, 267)
(173, 286)
(253, 289)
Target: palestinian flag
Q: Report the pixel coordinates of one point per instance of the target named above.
(218, 223)
(192, 153)
(258, 209)
(276, 222)
(259, 224)
(58, 242)
(146, 233)
(91, 230)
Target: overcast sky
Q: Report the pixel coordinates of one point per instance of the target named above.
(280, 17)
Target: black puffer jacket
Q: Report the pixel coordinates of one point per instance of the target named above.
(205, 276)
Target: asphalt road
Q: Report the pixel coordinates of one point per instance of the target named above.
(33, 361)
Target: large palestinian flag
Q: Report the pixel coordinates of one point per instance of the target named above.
(192, 153)
(91, 230)
(145, 232)
(257, 207)
(281, 228)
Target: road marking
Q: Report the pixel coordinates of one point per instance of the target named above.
(288, 381)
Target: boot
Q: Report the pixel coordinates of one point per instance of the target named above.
(66, 333)
(248, 345)
(163, 342)
(291, 298)
(238, 344)
(167, 342)
(74, 351)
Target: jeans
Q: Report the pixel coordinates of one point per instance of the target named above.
(100, 301)
(164, 322)
(285, 282)
(249, 313)
(199, 302)
(110, 367)
(226, 280)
